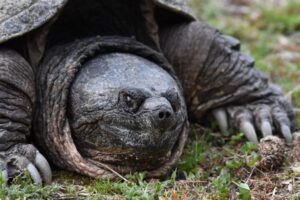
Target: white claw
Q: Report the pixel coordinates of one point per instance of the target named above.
(286, 132)
(248, 129)
(34, 174)
(266, 128)
(221, 118)
(44, 167)
(4, 177)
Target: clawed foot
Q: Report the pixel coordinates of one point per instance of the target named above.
(255, 120)
(22, 157)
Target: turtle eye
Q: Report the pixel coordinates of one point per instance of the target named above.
(131, 101)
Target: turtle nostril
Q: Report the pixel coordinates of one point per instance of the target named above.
(168, 114)
(164, 115)
(161, 115)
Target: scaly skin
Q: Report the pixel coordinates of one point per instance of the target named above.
(218, 78)
(17, 96)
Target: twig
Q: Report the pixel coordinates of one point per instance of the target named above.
(111, 170)
(114, 172)
(251, 173)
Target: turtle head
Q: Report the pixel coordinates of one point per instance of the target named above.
(125, 111)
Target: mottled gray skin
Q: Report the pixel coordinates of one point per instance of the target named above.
(118, 103)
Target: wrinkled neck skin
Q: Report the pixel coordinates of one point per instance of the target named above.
(126, 112)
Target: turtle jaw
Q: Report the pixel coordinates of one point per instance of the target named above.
(130, 142)
(125, 146)
(161, 167)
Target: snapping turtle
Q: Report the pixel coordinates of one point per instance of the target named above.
(106, 87)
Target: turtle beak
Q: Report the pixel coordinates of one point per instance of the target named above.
(161, 113)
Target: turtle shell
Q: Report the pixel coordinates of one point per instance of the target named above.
(178, 6)
(22, 16)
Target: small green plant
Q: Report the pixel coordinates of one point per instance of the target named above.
(221, 185)
(22, 187)
(135, 188)
(244, 191)
(102, 187)
(1, 186)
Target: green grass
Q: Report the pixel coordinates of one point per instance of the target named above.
(215, 166)
(285, 20)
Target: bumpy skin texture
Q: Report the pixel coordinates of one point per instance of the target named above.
(17, 97)
(215, 75)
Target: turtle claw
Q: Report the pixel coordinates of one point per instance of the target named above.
(25, 157)
(248, 129)
(286, 132)
(35, 175)
(43, 166)
(266, 128)
(4, 177)
(221, 117)
(257, 120)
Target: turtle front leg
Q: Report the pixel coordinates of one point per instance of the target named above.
(218, 78)
(17, 96)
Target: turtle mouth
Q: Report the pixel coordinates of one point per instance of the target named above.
(129, 160)
(128, 150)
(124, 161)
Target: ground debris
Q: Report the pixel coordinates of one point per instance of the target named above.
(272, 150)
